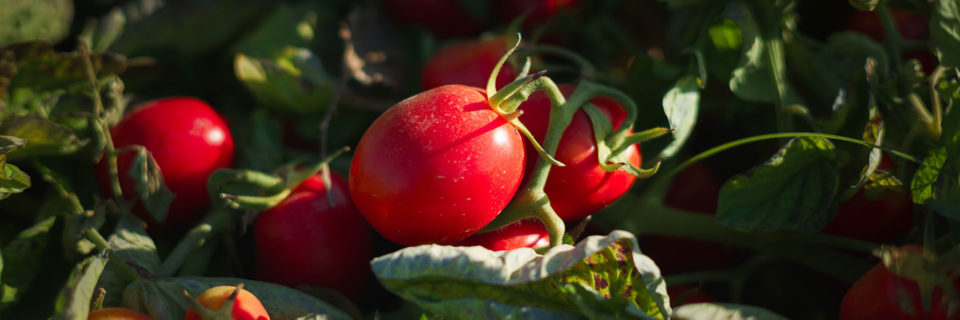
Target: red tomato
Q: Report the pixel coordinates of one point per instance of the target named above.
(911, 26)
(303, 240)
(468, 63)
(688, 294)
(245, 307)
(188, 139)
(881, 294)
(694, 189)
(876, 221)
(444, 18)
(581, 187)
(436, 167)
(116, 314)
(523, 234)
(536, 11)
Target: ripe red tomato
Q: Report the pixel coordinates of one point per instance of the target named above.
(694, 189)
(303, 240)
(881, 294)
(188, 139)
(436, 167)
(444, 18)
(245, 307)
(911, 26)
(468, 63)
(523, 234)
(116, 314)
(537, 11)
(877, 221)
(581, 187)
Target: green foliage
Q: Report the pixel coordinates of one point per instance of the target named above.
(151, 190)
(22, 258)
(23, 20)
(74, 301)
(291, 82)
(945, 30)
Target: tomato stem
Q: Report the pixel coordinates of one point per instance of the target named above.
(127, 272)
(587, 70)
(195, 238)
(100, 126)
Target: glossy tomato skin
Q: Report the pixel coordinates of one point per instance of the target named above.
(536, 11)
(245, 307)
(911, 26)
(444, 18)
(436, 167)
(468, 63)
(581, 187)
(876, 221)
(695, 189)
(881, 294)
(116, 314)
(188, 139)
(305, 240)
(523, 234)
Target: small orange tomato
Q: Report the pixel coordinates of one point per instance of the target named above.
(116, 314)
(245, 307)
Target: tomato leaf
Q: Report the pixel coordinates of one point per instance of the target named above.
(751, 80)
(563, 283)
(12, 180)
(681, 104)
(23, 257)
(131, 242)
(945, 31)
(74, 300)
(183, 30)
(163, 298)
(707, 311)
(291, 82)
(794, 190)
(922, 186)
(33, 75)
(264, 143)
(35, 20)
(299, 25)
(151, 190)
(44, 137)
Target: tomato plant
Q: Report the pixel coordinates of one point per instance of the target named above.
(444, 18)
(524, 234)
(188, 139)
(116, 314)
(468, 63)
(581, 187)
(246, 306)
(873, 220)
(295, 239)
(910, 25)
(436, 167)
(883, 294)
(695, 189)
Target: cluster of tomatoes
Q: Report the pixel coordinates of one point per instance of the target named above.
(208, 305)
(439, 166)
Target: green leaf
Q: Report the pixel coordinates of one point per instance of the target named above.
(264, 143)
(726, 35)
(681, 104)
(708, 311)
(945, 31)
(12, 180)
(473, 282)
(794, 190)
(298, 25)
(99, 35)
(10, 143)
(74, 300)
(44, 137)
(22, 258)
(880, 183)
(163, 298)
(131, 243)
(292, 82)
(922, 186)
(34, 74)
(22, 20)
(180, 30)
(151, 190)
(752, 79)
